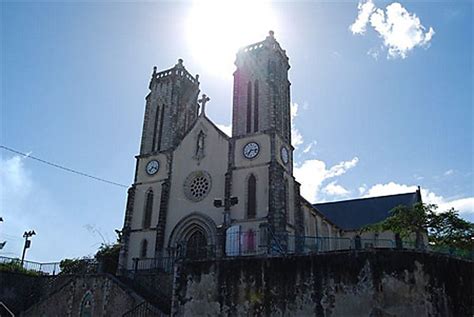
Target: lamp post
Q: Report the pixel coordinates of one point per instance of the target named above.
(26, 235)
(2, 244)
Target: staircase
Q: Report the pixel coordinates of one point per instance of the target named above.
(157, 302)
(144, 309)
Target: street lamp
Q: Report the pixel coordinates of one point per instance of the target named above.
(27, 235)
(2, 244)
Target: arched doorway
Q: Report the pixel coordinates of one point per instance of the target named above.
(194, 236)
(196, 246)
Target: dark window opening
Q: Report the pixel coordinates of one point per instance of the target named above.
(144, 248)
(287, 202)
(249, 107)
(252, 197)
(155, 130)
(161, 127)
(255, 107)
(148, 210)
(358, 242)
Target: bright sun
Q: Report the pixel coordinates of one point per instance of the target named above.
(217, 29)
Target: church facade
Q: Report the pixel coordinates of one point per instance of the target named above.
(199, 191)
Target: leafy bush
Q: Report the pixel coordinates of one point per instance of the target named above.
(16, 267)
(105, 261)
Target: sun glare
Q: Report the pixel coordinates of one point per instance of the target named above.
(217, 29)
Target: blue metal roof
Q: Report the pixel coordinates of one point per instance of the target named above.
(357, 213)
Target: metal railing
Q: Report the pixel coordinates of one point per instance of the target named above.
(164, 264)
(50, 268)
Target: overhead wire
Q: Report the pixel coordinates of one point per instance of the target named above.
(62, 167)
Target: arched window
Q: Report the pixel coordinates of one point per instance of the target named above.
(255, 106)
(86, 305)
(251, 197)
(148, 209)
(249, 107)
(144, 248)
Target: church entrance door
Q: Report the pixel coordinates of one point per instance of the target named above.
(196, 247)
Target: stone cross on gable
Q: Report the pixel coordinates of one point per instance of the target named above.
(204, 99)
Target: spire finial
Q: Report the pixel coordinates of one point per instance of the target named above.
(154, 70)
(271, 33)
(204, 99)
(180, 61)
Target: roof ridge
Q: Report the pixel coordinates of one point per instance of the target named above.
(364, 198)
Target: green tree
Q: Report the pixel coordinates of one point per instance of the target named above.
(105, 260)
(444, 229)
(448, 229)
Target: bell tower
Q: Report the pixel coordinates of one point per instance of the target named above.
(262, 169)
(262, 90)
(171, 108)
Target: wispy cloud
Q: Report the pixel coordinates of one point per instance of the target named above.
(313, 173)
(449, 172)
(400, 30)
(25, 205)
(296, 137)
(334, 189)
(309, 147)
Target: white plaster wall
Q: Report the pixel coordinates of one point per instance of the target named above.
(239, 189)
(214, 162)
(136, 239)
(139, 204)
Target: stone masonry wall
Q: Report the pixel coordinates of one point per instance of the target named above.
(109, 298)
(371, 283)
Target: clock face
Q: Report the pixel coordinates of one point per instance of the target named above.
(284, 154)
(152, 167)
(251, 150)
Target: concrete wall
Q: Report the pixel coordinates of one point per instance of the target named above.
(376, 283)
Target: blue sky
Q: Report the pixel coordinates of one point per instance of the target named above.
(375, 112)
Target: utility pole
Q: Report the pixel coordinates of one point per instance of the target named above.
(26, 235)
(2, 244)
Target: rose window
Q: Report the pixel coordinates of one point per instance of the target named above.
(197, 185)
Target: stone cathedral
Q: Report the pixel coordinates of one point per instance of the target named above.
(200, 192)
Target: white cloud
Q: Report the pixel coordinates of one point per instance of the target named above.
(400, 30)
(449, 172)
(374, 53)
(464, 205)
(365, 11)
(227, 129)
(312, 174)
(308, 148)
(335, 189)
(296, 137)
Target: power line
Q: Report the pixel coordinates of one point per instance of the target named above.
(67, 169)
